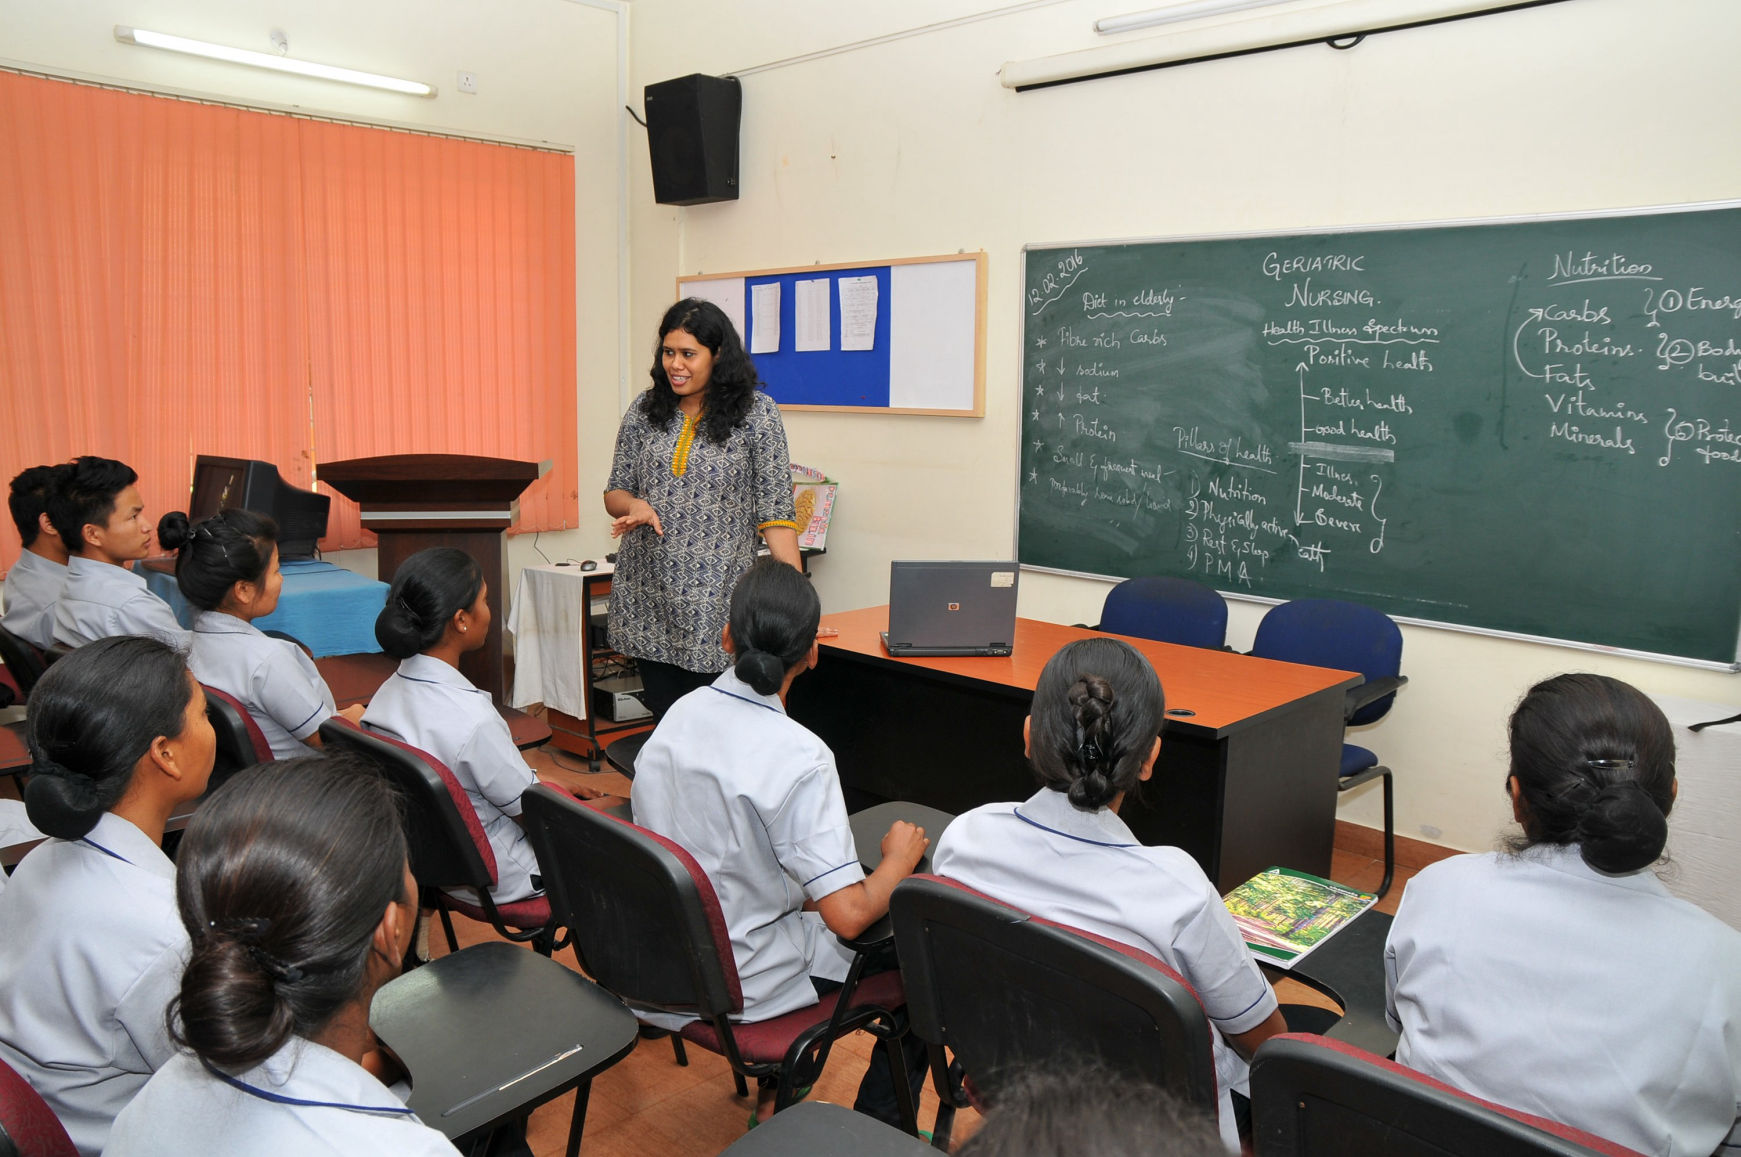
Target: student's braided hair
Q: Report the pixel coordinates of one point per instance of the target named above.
(1098, 708)
(1594, 761)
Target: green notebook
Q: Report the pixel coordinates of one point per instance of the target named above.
(1283, 914)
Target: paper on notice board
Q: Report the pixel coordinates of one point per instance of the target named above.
(858, 313)
(765, 305)
(811, 307)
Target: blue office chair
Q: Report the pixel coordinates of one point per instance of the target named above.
(1167, 610)
(1348, 637)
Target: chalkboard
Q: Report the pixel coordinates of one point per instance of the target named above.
(1530, 427)
(917, 346)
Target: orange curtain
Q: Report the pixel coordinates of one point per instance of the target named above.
(178, 279)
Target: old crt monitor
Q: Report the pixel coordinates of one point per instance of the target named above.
(229, 483)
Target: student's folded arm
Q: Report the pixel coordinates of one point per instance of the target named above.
(850, 910)
(1246, 1043)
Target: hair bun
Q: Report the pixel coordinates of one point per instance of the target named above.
(61, 802)
(1622, 829)
(762, 671)
(172, 530)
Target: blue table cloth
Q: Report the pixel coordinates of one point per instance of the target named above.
(327, 607)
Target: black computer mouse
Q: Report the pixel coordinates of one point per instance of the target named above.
(611, 558)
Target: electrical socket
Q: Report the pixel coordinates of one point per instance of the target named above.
(468, 82)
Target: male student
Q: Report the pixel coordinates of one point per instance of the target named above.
(101, 519)
(34, 584)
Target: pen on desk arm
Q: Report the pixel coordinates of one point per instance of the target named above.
(531, 1072)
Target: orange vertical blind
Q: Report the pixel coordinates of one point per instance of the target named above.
(179, 278)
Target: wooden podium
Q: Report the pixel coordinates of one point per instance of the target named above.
(416, 501)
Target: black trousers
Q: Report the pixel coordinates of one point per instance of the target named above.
(663, 684)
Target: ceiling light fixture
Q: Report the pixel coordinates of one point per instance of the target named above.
(163, 40)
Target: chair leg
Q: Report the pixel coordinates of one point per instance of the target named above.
(447, 926)
(1389, 838)
(683, 1058)
(743, 1088)
(942, 1127)
(582, 1093)
(896, 1057)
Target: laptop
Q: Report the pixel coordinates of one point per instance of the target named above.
(948, 609)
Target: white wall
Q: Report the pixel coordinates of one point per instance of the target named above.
(912, 147)
(547, 73)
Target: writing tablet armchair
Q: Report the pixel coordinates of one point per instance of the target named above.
(28, 1127)
(23, 660)
(646, 924)
(1310, 1094)
(1347, 637)
(448, 846)
(1004, 991)
(241, 743)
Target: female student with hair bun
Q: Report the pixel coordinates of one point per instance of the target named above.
(756, 799)
(1560, 977)
(435, 613)
(700, 471)
(227, 566)
(91, 949)
(1063, 854)
(295, 891)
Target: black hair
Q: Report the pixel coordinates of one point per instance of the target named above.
(1595, 765)
(282, 877)
(1098, 709)
(429, 588)
(1072, 1106)
(86, 497)
(731, 386)
(93, 716)
(29, 498)
(232, 546)
(774, 612)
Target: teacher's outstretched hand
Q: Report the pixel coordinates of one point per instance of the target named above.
(639, 513)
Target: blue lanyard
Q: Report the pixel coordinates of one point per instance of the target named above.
(281, 1099)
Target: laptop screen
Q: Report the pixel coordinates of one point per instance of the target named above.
(954, 606)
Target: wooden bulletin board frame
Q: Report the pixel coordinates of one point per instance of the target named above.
(922, 307)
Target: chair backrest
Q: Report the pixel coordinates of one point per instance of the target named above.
(1004, 990)
(241, 743)
(23, 660)
(645, 920)
(1311, 1094)
(1331, 633)
(28, 1127)
(448, 845)
(1167, 610)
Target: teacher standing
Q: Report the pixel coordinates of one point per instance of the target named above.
(701, 470)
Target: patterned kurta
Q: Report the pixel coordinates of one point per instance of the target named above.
(670, 594)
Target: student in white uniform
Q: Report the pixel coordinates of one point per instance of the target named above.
(296, 893)
(101, 519)
(91, 949)
(35, 582)
(755, 798)
(1560, 977)
(227, 566)
(435, 613)
(1063, 854)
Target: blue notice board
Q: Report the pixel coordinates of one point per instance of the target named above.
(926, 338)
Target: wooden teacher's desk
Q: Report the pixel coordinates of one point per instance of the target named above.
(1247, 779)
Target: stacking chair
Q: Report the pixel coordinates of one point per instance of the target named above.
(28, 1127)
(1310, 1094)
(23, 660)
(448, 845)
(646, 924)
(1167, 610)
(1005, 991)
(1347, 637)
(241, 743)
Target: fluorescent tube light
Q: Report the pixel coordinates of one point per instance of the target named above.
(1173, 13)
(224, 52)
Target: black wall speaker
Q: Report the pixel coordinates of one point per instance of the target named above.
(692, 135)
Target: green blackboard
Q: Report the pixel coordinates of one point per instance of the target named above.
(1529, 427)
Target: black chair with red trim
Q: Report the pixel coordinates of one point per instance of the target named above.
(646, 924)
(1005, 992)
(24, 662)
(1311, 1094)
(241, 743)
(448, 845)
(28, 1127)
